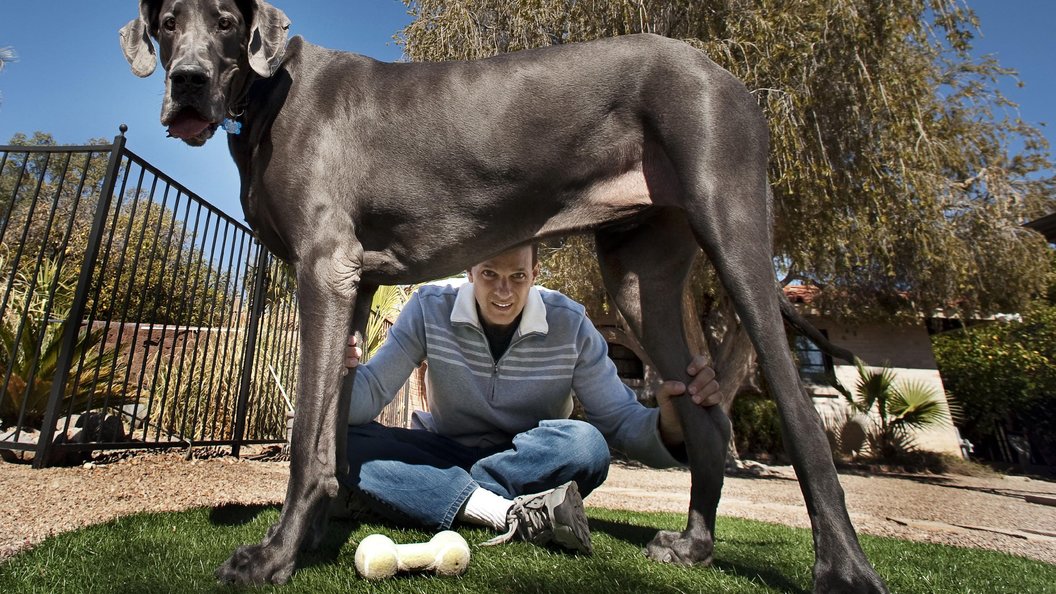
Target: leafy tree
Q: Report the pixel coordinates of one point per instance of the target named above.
(31, 183)
(157, 270)
(896, 188)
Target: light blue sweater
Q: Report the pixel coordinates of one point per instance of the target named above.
(481, 402)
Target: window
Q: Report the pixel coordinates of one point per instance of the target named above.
(815, 366)
(628, 365)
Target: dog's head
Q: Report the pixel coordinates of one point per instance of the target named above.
(208, 49)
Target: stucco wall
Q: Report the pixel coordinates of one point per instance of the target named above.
(907, 350)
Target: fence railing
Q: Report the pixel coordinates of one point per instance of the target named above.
(132, 312)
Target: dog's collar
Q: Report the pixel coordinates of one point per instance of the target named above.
(231, 123)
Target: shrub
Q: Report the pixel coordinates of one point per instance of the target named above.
(1003, 374)
(756, 426)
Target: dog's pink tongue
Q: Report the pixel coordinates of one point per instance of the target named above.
(187, 124)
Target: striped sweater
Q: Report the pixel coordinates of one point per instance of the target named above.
(481, 402)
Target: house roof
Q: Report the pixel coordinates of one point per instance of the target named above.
(803, 294)
(1046, 225)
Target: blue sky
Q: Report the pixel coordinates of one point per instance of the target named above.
(71, 79)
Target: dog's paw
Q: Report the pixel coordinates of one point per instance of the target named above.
(255, 565)
(856, 577)
(676, 547)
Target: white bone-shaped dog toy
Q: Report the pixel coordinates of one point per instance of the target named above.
(377, 557)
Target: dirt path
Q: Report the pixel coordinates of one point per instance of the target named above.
(984, 513)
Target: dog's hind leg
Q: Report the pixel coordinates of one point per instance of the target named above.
(327, 286)
(645, 270)
(727, 205)
(740, 253)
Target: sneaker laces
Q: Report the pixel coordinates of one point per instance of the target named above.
(536, 517)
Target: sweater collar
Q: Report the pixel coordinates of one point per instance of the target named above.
(533, 318)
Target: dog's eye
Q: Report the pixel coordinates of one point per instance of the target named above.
(169, 24)
(225, 23)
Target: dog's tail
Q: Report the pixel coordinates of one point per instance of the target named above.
(789, 312)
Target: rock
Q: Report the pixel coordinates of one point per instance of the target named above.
(97, 428)
(26, 437)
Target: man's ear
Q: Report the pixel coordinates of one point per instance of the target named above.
(469, 274)
(267, 38)
(138, 48)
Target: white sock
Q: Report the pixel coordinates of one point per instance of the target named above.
(485, 508)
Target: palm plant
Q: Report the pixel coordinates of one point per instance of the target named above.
(386, 305)
(893, 408)
(29, 353)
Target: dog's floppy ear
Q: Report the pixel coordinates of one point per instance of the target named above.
(138, 48)
(267, 38)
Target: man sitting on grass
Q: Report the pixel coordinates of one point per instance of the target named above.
(497, 447)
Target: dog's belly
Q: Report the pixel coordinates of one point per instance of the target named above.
(607, 201)
(404, 258)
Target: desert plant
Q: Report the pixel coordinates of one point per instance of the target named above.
(189, 397)
(388, 300)
(893, 409)
(29, 353)
(195, 387)
(194, 401)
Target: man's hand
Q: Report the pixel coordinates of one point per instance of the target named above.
(352, 354)
(703, 390)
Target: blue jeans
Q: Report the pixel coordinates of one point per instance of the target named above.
(418, 477)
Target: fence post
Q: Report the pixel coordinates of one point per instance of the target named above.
(80, 302)
(256, 313)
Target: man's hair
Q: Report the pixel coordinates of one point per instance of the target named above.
(535, 253)
(535, 250)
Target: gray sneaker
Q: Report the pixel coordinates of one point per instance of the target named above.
(351, 504)
(555, 516)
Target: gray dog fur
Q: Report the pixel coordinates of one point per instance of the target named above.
(362, 173)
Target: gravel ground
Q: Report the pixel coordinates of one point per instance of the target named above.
(985, 513)
(988, 513)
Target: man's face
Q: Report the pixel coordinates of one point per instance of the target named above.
(501, 284)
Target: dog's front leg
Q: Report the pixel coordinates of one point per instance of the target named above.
(360, 318)
(327, 287)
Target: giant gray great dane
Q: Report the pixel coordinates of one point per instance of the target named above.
(362, 173)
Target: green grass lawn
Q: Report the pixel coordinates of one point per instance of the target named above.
(155, 553)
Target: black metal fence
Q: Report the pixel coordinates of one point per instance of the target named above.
(132, 312)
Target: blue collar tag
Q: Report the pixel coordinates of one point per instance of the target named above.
(231, 126)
